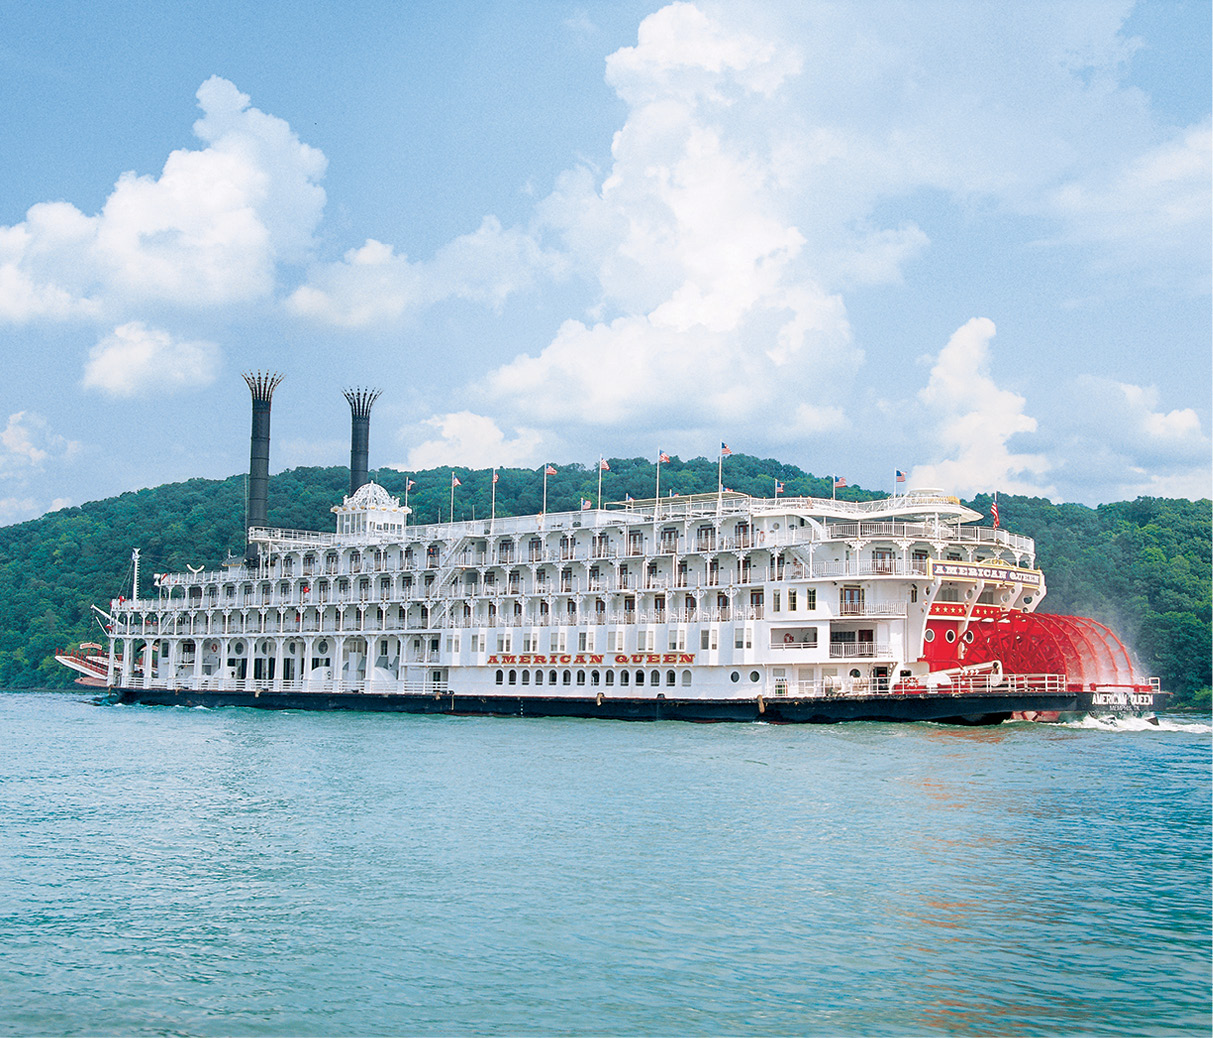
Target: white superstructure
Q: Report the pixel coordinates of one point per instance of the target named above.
(713, 596)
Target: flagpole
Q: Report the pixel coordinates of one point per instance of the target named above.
(600, 459)
(720, 480)
(657, 492)
(452, 495)
(545, 489)
(407, 481)
(834, 487)
(493, 513)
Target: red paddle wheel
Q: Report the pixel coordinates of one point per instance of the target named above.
(1085, 651)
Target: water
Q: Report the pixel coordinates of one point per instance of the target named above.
(167, 871)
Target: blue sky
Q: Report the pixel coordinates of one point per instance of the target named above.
(971, 241)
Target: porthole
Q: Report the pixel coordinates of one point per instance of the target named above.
(734, 677)
(928, 636)
(969, 637)
(856, 674)
(950, 635)
(322, 646)
(755, 676)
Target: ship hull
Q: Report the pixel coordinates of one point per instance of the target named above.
(958, 709)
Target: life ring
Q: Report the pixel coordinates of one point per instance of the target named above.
(788, 639)
(761, 537)
(214, 647)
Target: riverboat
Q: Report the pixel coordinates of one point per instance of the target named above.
(705, 607)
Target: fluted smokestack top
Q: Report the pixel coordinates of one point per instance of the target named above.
(361, 401)
(262, 384)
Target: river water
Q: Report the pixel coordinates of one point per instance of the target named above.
(166, 871)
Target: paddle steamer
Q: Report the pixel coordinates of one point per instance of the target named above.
(704, 607)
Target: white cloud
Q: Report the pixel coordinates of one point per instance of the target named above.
(27, 442)
(135, 360)
(18, 509)
(475, 441)
(972, 421)
(714, 317)
(210, 229)
(1154, 207)
(1117, 443)
(374, 285)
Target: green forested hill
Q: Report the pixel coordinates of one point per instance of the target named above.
(1142, 567)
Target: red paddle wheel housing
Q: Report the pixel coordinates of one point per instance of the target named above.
(1084, 650)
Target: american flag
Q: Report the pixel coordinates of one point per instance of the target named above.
(602, 464)
(585, 505)
(840, 481)
(901, 476)
(778, 487)
(628, 497)
(994, 512)
(663, 458)
(455, 480)
(412, 483)
(550, 470)
(725, 450)
(494, 477)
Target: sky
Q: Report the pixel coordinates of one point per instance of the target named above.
(968, 241)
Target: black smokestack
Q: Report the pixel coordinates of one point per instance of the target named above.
(256, 513)
(361, 401)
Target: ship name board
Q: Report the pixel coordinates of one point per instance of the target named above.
(588, 658)
(993, 572)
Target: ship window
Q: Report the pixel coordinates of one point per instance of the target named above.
(734, 677)
(538, 677)
(856, 674)
(686, 677)
(500, 677)
(639, 678)
(595, 677)
(928, 636)
(969, 637)
(755, 676)
(566, 678)
(581, 677)
(551, 677)
(609, 677)
(950, 635)
(670, 678)
(624, 677)
(526, 677)
(513, 677)
(655, 678)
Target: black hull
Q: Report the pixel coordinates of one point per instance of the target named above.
(961, 709)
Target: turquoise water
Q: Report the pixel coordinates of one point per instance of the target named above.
(167, 871)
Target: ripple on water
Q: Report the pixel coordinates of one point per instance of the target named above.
(212, 872)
